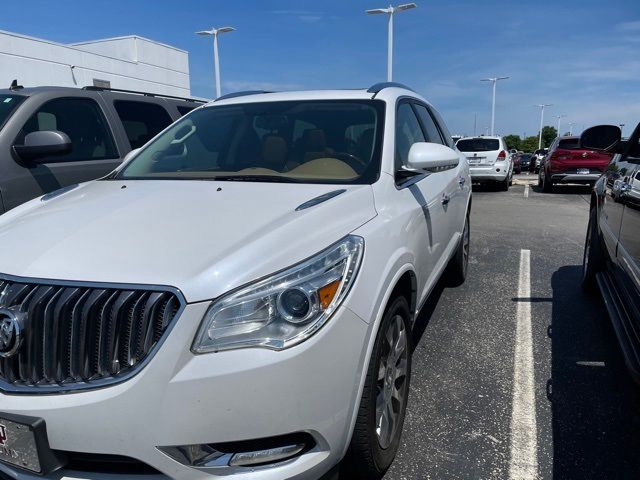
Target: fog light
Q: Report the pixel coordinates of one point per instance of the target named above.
(246, 453)
(271, 455)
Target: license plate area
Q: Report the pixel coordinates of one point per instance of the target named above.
(583, 171)
(24, 444)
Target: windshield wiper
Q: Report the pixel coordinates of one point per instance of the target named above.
(254, 178)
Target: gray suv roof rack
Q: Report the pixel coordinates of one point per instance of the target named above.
(379, 86)
(241, 94)
(146, 94)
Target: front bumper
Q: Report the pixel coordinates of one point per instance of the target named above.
(495, 173)
(182, 399)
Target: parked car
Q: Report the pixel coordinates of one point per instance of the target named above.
(237, 300)
(536, 160)
(51, 137)
(567, 162)
(488, 160)
(517, 165)
(612, 251)
(525, 161)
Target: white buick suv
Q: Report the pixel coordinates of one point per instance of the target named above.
(236, 300)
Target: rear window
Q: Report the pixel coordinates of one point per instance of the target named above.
(478, 144)
(8, 104)
(569, 144)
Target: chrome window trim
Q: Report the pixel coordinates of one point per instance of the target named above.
(9, 388)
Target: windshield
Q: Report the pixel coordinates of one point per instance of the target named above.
(8, 104)
(478, 145)
(293, 141)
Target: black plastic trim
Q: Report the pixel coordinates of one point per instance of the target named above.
(376, 88)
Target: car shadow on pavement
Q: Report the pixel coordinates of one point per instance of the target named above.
(595, 404)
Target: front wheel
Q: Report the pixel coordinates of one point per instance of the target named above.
(593, 257)
(378, 428)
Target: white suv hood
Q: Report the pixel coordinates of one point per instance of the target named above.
(203, 237)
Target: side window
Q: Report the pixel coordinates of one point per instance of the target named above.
(82, 120)
(142, 121)
(448, 140)
(430, 129)
(184, 110)
(408, 132)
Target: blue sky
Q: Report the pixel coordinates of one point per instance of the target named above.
(581, 55)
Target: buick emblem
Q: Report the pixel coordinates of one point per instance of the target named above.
(10, 333)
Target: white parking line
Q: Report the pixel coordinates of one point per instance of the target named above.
(523, 464)
(526, 190)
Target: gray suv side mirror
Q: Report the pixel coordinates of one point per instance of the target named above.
(38, 145)
(601, 137)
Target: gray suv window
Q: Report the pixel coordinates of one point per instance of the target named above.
(142, 121)
(8, 104)
(82, 120)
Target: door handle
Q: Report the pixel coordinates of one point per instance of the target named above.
(445, 199)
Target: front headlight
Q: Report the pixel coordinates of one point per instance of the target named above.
(283, 309)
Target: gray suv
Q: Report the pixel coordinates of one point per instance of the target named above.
(51, 137)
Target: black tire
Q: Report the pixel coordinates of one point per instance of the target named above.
(456, 272)
(547, 185)
(366, 457)
(539, 180)
(504, 185)
(593, 257)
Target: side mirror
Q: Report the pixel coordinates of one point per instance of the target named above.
(601, 137)
(38, 145)
(427, 156)
(130, 155)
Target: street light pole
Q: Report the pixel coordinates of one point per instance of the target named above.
(571, 124)
(494, 81)
(391, 10)
(214, 32)
(542, 105)
(559, 117)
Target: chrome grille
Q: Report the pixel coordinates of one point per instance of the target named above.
(76, 336)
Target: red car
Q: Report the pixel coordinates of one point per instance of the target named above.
(566, 162)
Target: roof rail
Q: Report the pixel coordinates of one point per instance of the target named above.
(146, 94)
(379, 86)
(241, 94)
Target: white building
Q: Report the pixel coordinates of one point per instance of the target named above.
(132, 63)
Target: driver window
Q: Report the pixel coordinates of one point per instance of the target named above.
(408, 132)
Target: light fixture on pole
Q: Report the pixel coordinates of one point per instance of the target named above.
(390, 11)
(621, 125)
(541, 106)
(214, 32)
(493, 80)
(559, 117)
(571, 124)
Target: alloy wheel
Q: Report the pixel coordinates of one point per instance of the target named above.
(391, 382)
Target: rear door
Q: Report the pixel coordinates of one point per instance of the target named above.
(628, 252)
(141, 118)
(94, 152)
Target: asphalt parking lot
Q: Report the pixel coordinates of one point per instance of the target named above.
(462, 412)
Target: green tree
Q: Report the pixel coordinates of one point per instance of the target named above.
(549, 134)
(512, 141)
(529, 144)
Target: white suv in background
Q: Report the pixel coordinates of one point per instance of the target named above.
(237, 300)
(489, 160)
